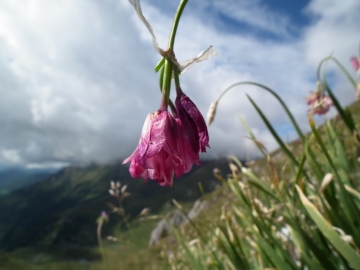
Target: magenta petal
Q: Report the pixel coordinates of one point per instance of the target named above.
(156, 155)
(137, 171)
(190, 116)
(318, 103)
(186, 152)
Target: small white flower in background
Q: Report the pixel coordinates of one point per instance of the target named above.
(182, 66)
(115, 188)
(123, 188)
(144, 212)
(111, 238)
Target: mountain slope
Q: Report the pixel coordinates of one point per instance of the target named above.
(16, 177)
(62, 209)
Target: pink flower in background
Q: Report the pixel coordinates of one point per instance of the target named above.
(104, 214)
(318, 103)
(192, 121)
(156, 155)
(355, 63)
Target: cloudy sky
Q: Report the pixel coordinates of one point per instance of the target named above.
(77, 78)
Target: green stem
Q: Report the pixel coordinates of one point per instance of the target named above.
(161, 82)
(167, 80)
(340, 66)
(102, 250)
(176, 77)
(160, 64)
(176, 23)
(124, 214)
(168, 66)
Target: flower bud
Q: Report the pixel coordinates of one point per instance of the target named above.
(211, 113)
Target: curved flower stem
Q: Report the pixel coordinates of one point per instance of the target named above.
(176, 23)
(166, 85)
(345, 113)
(274, 133)
(298, 130)
(161, 81)
(102, 250)
(168, 65)
(177, 17)
(340, 66)
(176, 78)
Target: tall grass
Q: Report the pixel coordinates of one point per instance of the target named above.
(296, 209)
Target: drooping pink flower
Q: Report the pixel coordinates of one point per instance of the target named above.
(156, 155)
(192, 121)
(318, 103)
(355, 63)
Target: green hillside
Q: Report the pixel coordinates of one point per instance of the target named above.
(62, 210)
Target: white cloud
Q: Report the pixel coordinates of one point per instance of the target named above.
(11, 155)
(78, 81)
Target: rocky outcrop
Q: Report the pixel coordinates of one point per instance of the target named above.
(176, 218)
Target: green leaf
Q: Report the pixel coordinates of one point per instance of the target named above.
(274, 133)
(330, 234)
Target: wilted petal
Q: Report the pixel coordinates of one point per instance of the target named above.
(136, 5)
(182, 66)
(204, 55)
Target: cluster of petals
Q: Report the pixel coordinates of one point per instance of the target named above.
(169, 145)
(318, 103)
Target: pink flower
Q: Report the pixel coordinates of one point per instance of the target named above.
(156, 155)
(104, 215)
(318, 103)
(355, 63)
(192, 122)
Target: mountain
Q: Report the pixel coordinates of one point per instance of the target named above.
(62, 209)
(12, 178)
